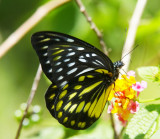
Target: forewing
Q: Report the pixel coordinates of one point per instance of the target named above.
(80, 102)
(64, 57)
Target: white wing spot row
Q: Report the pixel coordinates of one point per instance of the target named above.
(48, 62)
(57, 39)
(93, 54)
(60, 78)
(99, 62)
(71, 64)
(81, 57)
(58, 63)
(71, 54)
(50, 71)
(80, 48)
(82, 60)
(44, 47)
(45, 54)
(86, 70)
(60, 69)
(70, 40)
(63, 83)
(87, 55)
(71, 71)
(66, 60)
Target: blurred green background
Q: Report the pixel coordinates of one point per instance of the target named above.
(19, 65)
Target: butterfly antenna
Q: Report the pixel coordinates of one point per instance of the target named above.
(130, 51)
(124, 71)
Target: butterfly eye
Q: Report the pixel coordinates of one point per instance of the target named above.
(81, 77)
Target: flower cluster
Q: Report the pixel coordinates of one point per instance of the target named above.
(123, 96)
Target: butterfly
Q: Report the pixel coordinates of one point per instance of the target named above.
(81, 76)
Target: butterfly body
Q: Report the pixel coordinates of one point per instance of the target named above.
(81, 77)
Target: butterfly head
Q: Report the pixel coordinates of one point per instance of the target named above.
(117, 66)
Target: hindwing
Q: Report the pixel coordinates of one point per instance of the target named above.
(80, 102)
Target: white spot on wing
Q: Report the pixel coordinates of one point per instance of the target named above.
(93, 54)
(50, 71)
(87, 55)
(95, 63)
(80, 48)
(70, 40)
(63, 83)
(60, 69)
(44, 47)
(81, 57)
(99, 62)
(69, 49)
(86, 70)
(71, 71)
(48, 62)
(58, 63)
(71, 64)
(60, 78)
(45, 54)
(71, 54)
(57, 39)
(66, 60)
(82, 60)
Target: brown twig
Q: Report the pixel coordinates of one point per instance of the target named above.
(29, 24)
(93, 26)
(134, 22)
(31, 96)
(113, 126)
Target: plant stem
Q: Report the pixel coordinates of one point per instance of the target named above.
(113, 126)
(149, 100)
(39, 14)
(93, 26)
(31, 96)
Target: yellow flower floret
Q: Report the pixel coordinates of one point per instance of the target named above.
(115, 109)
(130, 93)
(124, 93)
(123, 85)
(125, 103)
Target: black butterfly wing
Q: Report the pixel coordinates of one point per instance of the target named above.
(63, 57)
(51, 96)
(81, 77)
(81, 102)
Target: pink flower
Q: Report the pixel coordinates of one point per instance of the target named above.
(131, 73)
(144, 84)
(133, 106)
(139, 87)
(110, 107)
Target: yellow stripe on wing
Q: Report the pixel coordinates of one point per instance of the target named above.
(57, 52)
(104, 71)
(96, 109)
(88, 89)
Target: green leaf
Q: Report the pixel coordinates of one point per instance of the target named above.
(156, 124)
(145, 123)
(148, 73)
